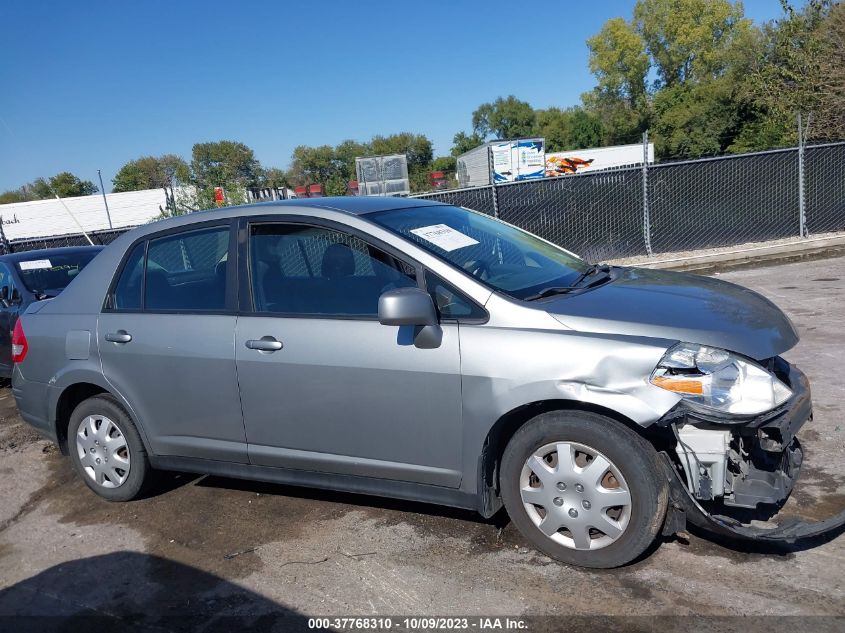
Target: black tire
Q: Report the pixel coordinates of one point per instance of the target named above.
(634, 457)
(139, 466)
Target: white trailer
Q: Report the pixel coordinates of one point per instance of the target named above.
(502, 161)
(597, 158)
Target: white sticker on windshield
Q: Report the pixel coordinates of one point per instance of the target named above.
(444, 236)
(35, 264)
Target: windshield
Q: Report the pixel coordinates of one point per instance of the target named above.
(53, 273)
(500, 255)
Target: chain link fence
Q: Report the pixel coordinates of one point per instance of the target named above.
(658, 208)
(58, 241)
(671, 207)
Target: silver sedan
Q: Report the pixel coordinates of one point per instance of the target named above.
(422, 351)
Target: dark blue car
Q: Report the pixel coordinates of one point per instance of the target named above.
(32, 276)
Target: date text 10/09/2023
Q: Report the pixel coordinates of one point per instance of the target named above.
(478, 623)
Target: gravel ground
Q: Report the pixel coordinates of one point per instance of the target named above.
(747, 246)
(209, 547)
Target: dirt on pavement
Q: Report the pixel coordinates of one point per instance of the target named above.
(210, 547)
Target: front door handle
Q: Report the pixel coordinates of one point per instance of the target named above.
(121, 336)
(265, 344)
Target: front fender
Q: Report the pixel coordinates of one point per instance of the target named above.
(504, 369)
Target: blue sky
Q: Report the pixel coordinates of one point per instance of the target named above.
(89, 85)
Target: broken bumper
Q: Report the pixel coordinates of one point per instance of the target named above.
(685, 509)
(763, 462)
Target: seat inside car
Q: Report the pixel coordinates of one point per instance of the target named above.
(338, 261)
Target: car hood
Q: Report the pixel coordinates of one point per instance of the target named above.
(681, 306)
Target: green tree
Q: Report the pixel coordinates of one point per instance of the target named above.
(505, 118)
(64, 184)
(13, 195)
(693, 121)
(224, 164)
(416, 147)
(334, 167)
(274, 177)
(831, 109)
(228, 164)
(151, 172)
(463, 142)
(319, 165)
(620, 100)
(699, 51)
(620, 63)
(573, 128)
(444, 163)
(690, 40)
(793, 73)
(345, 153)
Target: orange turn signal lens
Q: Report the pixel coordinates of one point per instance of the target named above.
(679, 385)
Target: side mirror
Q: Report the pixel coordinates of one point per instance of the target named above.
(16, 296)
(413, 310)
(4, 296)
(406, 306)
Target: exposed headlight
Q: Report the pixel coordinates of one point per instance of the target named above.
(715, 379)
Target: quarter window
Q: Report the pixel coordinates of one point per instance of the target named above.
(299, 269)
(451, 302)
(127, 292)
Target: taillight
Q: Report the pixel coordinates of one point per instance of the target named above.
(19, 344)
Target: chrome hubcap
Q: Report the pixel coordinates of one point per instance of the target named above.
(575, 495)
(103, 451)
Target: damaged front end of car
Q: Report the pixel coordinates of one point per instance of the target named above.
(734, 465)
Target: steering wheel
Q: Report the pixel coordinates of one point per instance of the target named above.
(478, 268)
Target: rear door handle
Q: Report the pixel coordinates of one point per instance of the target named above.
(265, 344)
(121, 336)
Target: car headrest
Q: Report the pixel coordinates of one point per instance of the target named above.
(338, 261)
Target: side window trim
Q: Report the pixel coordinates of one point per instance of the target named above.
(246, 299)
(144, 275)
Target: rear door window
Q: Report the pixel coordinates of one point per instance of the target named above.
(183, 272)
(187, 271)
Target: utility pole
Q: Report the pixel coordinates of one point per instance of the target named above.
(105, 200)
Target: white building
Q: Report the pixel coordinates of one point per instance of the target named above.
(47, 218)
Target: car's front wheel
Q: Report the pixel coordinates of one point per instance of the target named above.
(106, 449)
(583, 488)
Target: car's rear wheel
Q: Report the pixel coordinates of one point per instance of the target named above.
(583, 488)
(106, 449)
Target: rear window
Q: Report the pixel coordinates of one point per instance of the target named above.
(51, 274)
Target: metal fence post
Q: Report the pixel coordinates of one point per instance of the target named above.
(4, 243)
(802, 210)
(646, 218)
(493, 191)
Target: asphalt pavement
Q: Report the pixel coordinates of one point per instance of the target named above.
(209, 547)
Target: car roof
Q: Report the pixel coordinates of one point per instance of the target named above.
(355, 205)
(48, 252)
